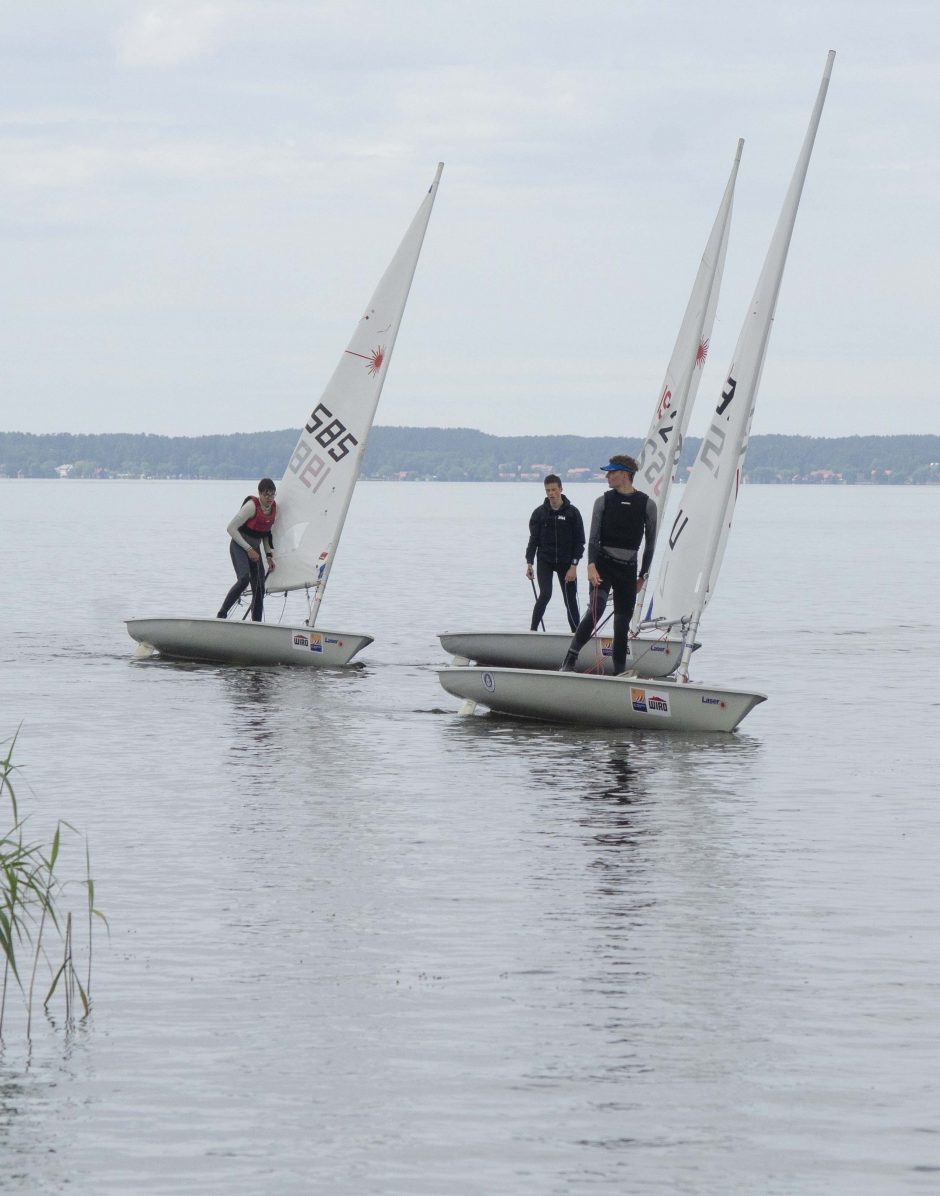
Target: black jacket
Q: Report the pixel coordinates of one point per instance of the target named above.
(558, 536)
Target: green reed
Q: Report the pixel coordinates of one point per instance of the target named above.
(32, 914)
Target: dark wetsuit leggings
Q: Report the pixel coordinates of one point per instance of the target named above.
(619, 576)
(545, 571)
(247, 573)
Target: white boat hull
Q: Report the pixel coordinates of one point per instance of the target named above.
(624, 702)
(649, 656)
(246, 643)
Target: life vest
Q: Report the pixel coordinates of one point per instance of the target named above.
(259, 523)
(624, 520)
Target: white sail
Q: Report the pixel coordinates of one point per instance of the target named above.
(662, 448)
(692, 548)
(316, 489)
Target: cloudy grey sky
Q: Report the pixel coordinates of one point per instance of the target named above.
(197, 199)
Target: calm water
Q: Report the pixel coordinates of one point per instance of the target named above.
(360, 945)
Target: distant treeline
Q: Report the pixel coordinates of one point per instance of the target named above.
(456, 454)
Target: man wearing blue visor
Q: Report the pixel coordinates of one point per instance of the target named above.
(622, 520)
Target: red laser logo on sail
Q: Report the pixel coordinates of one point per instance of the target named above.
(374, 359)
(701, 353)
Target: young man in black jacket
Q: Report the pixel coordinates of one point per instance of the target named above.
(556, 536)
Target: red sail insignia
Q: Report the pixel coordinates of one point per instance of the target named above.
(373, 360)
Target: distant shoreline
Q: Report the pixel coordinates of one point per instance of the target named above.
(457, 455)
(251, 480)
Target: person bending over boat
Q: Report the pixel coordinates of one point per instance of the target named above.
(622, 519)
(556, 543)
(250, 531)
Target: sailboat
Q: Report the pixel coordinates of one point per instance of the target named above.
(694, 549)
(656, 652)
(313, 496)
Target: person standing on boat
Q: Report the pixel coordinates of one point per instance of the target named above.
(556, 541)
(622, 520)
(251, 532)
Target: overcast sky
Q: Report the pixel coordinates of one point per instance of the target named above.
(197, 199)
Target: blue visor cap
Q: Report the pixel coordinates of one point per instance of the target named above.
(612, 466)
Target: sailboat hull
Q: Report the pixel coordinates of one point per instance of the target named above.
(224, 642)
(649, 657)
(624, 702)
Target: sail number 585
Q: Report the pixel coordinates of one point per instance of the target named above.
(332, 435)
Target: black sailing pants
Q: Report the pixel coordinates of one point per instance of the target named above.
(619, 576)
(545, 571)
(247, 573)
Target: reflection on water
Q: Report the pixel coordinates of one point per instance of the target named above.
(251, 693)
(613, 806)
(677, 761)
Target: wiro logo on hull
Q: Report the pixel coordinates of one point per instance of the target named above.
(650, 702)
(307, 641)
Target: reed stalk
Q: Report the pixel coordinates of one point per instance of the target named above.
(31, 897)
